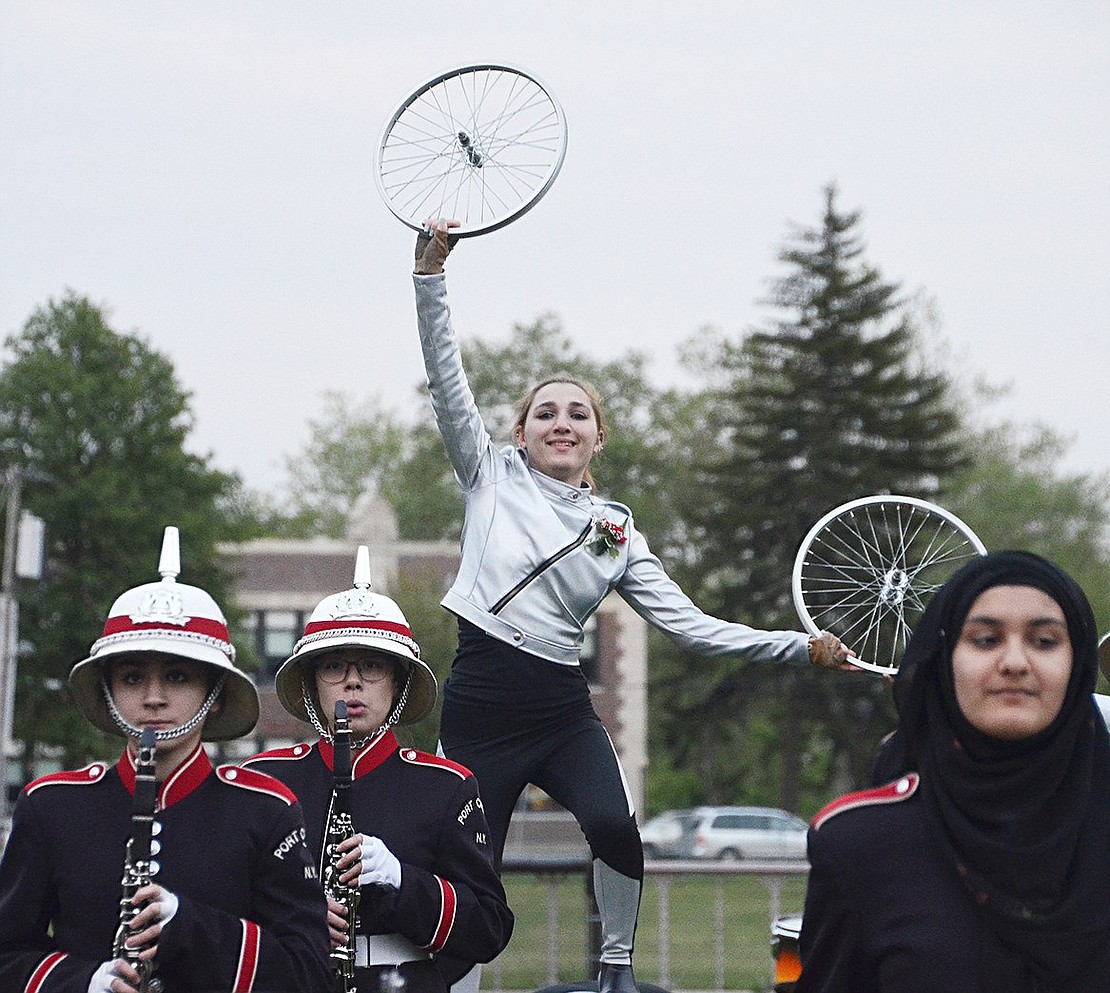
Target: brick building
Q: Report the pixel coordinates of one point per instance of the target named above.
(279, 582)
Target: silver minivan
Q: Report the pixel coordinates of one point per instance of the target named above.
(663, 835)
(745, 833)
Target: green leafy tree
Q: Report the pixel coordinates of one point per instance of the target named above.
(356, 447)
(1016, 495)
(100, 418)
(422, 490)
(829, 400)
(351, 449)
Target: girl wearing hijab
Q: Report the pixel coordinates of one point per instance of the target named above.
(984, 866)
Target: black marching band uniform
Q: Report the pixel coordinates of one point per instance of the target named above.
(228, 843)
(232, 849)
(426, 809)
(863, 933)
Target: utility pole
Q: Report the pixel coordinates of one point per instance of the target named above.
(9, 628)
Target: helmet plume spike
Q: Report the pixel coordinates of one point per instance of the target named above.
(356, 618)
(169, 563)
(362, 568)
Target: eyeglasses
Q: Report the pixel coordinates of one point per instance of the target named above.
(370, 670)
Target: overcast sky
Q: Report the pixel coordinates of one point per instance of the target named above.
(204, 170)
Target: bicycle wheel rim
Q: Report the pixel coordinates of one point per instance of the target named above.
(868, 568)
(480, 143)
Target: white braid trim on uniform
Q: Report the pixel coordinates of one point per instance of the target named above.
(122, 637)
(324, 733)
(189, 725)
(353, 634)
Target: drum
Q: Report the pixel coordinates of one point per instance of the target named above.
(784, 952)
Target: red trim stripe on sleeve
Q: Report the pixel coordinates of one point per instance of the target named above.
(45, 967)
(448, 907)
(248, 958)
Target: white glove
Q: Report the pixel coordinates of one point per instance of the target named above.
(167, 906)
(101, 981)
(379, 864)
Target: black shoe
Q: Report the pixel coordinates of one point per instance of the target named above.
(615, 979)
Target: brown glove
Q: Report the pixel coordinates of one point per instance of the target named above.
(433, 245)
(827, 651)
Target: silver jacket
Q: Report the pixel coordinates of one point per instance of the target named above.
(517, 518)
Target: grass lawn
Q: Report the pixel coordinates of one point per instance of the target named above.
(694, 906)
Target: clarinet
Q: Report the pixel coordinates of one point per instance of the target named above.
(340, 827)
(136, 865)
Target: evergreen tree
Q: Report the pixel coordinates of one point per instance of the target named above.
(828, 401)
(1015, 494)
(101, 420)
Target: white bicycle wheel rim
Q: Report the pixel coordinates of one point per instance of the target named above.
(480, 143)
(867, 594)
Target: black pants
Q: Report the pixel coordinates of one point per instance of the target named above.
(514, 719)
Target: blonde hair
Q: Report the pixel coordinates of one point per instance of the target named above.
(524, 405)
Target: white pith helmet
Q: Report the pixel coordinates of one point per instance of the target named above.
(361, 619)
(169, 618)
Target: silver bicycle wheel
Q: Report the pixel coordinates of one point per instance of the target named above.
(868, 568)
(481, 143)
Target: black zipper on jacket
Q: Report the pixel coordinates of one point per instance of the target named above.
(542, 568)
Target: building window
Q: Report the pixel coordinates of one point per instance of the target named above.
(276, 632)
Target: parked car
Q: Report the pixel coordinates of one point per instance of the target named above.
(736, 833)
(663, 835)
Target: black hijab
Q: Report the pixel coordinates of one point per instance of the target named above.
(1026, 824)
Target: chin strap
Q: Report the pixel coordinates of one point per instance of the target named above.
(133, 732)
(326, 735)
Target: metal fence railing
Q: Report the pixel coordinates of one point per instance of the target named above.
(703, 925)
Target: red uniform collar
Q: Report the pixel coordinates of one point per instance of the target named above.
(367, 758)
(178, 785)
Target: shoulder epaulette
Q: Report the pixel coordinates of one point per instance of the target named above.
(290, 752)
(75, 777)
(259, 782)
(413, 757)
(894, 792)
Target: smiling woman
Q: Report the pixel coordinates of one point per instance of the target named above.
(540, 551)
(558, 424)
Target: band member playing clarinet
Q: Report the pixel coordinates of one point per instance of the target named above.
(161, 872)
(419, 848)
